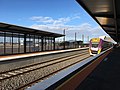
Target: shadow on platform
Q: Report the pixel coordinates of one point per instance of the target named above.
(106, 76)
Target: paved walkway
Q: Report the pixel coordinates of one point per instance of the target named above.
(106, 76)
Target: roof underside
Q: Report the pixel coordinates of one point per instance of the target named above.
(19, 29)
(106, 13)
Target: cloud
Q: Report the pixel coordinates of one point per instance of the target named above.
(59, 24)
(50, 20)
(83, 29)
(42, 19)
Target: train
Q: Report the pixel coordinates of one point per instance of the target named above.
(97, 45)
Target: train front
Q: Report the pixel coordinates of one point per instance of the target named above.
(95, 46)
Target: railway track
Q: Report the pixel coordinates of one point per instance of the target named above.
(41, 62)
(38, 71)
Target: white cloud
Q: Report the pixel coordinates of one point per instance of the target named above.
(42, 19)
(50, 20)
(82, 29)
(58, 25)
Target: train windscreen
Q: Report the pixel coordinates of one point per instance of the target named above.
(95, 44)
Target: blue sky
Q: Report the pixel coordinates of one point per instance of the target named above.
(50, 15)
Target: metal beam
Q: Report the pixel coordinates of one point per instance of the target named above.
(110, 26)
(115, 18)
(107, 15)
(110, 31)
(103, 15)
(113, 33)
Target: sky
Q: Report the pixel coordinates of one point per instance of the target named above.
(51, 15)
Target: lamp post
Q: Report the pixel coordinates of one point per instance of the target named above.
(88, 38)
(83, 40)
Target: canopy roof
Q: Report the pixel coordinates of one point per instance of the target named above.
(106, 13)
(19, 29)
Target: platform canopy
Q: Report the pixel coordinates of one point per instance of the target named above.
(106, 13)
(19, 29)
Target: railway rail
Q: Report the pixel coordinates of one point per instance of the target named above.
(23, 77)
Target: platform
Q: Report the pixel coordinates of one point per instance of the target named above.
(106, 76)
(18, 56)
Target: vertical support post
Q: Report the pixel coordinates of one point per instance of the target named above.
(83, 40)
(64, 39)
(19, 43)
(45, 43)
(12, 43)
(48, 43)
(75, 39)
(41, 43)
(25, 43)
(38, 44)
(30, 43)
(34, 43)
(53, 43)
(4, 42)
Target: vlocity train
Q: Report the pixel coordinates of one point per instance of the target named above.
(97, 45)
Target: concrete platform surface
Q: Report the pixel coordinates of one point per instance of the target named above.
(106, 76)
